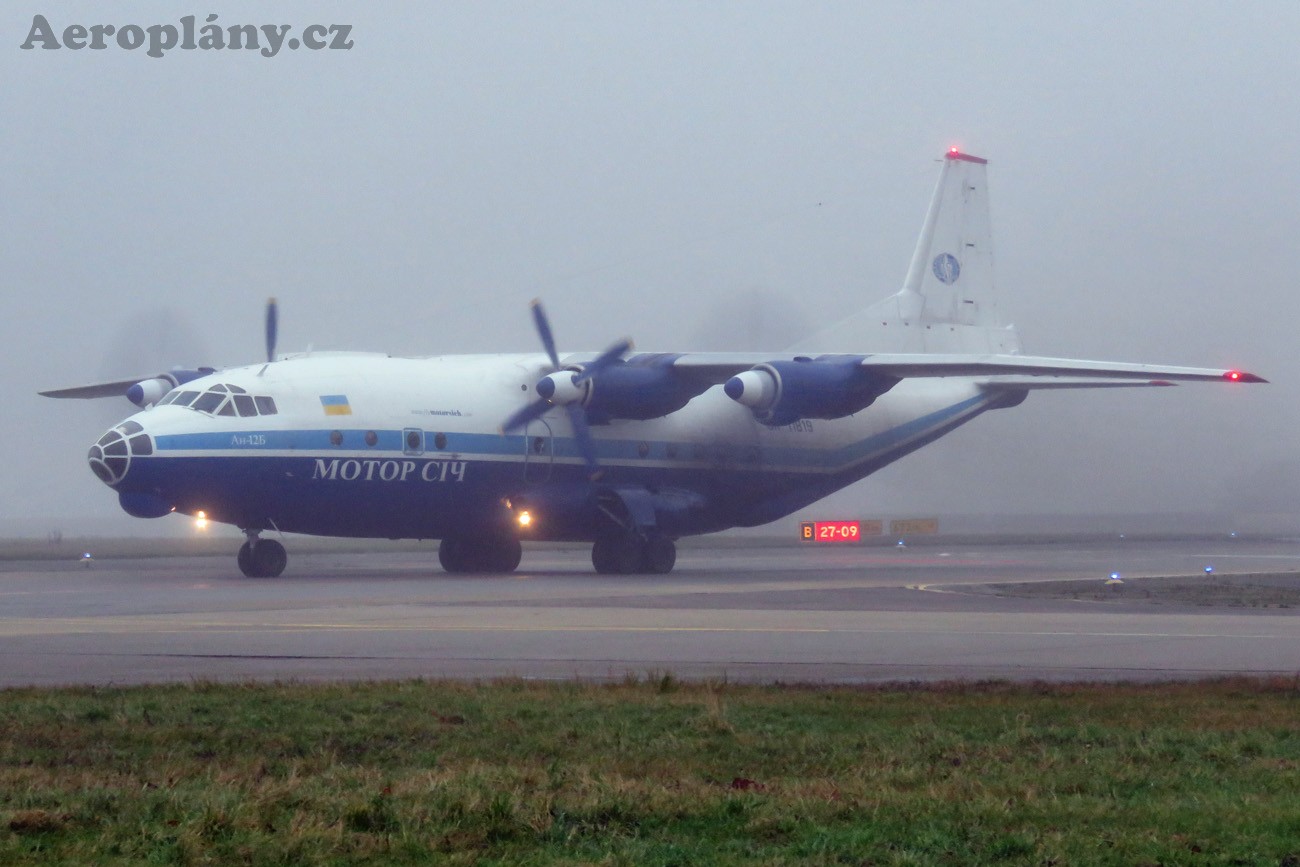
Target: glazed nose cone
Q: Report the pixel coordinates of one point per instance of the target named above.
(110, 456)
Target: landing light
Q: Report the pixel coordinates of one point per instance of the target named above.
(525, 519)
(201, 520)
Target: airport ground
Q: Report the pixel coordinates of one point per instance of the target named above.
(1024, 609)
(367, 708)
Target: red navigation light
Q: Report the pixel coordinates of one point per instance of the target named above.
(953, 150)
(1234, 375)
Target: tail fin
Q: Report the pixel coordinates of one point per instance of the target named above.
(948, 302)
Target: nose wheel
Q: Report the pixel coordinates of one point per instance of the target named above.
(262, 558)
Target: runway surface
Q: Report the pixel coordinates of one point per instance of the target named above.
(758, 614)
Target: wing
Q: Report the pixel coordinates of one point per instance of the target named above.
(85, 392)
(1007, 371)
(144, 391)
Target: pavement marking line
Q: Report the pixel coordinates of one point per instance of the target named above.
(127, 627)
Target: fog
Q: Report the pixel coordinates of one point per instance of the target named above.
(700, 176)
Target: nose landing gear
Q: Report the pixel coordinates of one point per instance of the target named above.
(261, 558)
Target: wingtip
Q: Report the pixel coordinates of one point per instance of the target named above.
(1243, 376)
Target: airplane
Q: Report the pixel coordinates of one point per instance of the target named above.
(629, 451)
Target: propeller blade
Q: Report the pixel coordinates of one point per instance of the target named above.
(605, 359)
(582, 435)
(544, 331)
(272, 326)
(534, 410)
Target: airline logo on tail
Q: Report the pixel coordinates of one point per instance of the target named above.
(946, 268)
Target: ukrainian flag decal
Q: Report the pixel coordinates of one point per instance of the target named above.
(336, 404)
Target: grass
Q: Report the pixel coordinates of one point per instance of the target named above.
(1263, 590)
(652, 771)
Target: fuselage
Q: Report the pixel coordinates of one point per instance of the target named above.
(367, 445)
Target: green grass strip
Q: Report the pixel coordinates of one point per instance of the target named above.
(652, 772)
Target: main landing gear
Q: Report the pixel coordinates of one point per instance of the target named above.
(631, 554)
(262, 558)
(468, 555)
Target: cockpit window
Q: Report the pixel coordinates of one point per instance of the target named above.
(209, 401)
(224, 400)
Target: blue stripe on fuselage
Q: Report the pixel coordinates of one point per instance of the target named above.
(469, 445)
(297, 481)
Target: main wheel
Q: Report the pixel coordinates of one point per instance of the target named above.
(602, 557)
(451, 556)
(459, 556)
(659, 555)
(505, 555)
(617, 555)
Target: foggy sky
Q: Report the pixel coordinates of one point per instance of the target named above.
(701, 176)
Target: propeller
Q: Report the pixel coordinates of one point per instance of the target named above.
(565, 388)
(272, 327)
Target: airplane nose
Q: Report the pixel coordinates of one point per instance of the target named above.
(110, 456)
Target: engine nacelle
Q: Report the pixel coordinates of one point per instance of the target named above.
(640, 390)
(560, 389)
(783, 392)
(643, 387)
(148, 392)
